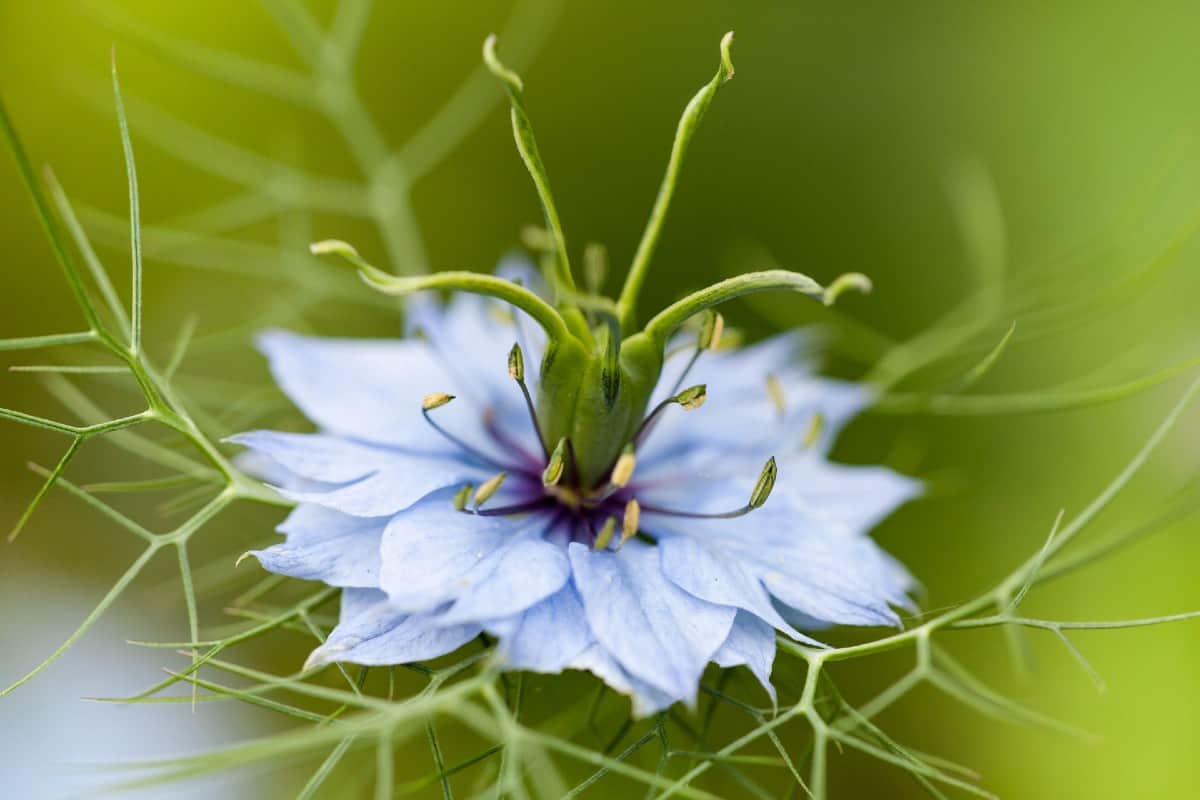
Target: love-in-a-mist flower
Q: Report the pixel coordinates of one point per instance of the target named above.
(636, 503)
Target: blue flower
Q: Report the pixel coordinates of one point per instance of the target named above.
(434, 496)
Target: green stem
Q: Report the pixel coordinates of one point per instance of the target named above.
(561, 278)
(688, 123)
(667, 321)
(460, 281)
(135, 221)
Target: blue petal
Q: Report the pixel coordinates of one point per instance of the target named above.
(854, 498)
(323, 545)
(361, 388)
(523, 571)
(751, 643)
(320, 457)
(379, 634)
(547, 637)
(371, 390)
(647, 699)
(355, 601)
(354, 478)
(704, 573)
(825, 572)
(473, 336)
(433, 555)
(740, 425)
(655, 630)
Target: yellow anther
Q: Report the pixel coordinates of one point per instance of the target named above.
(629, 523)
(693, 397)
(604, 538)
(816, 424)
(435, 400)
(488, 488)
(622, 471)
(460, 497)
(775, 392)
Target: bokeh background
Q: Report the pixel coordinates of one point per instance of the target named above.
(830, 151)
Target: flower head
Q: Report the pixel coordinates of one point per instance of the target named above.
(434, 497)
(636, 503)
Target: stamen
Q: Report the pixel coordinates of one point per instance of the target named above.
(505, 511)
(762, 490)
(488, 488)
(688, 399)
(516, 371)
(623, 471)
(710, 338)
(556, 464)
(710, 332)
(595, 266)
(461, 496)
(629, 523)
(692, 398)
(816, 424)
(618, 477)
(775, 392)
(604, 538)
(435, 400)
(438, 400)
(765, 483)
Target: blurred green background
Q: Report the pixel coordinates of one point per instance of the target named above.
(830, 151)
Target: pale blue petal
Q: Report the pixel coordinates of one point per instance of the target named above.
(712, 576)
(751, 643)
(850, 497)
(740, 425)
(268, 470)
(355, 478)
(433, 555)
(647, 699)
(379, 634)
(371, 390)
(324, 545)
(517, 575)
(393, 488)
(355, 601)
(317, 456)
(818, 569)
(656, 631)
(547, 637)
(473, 336)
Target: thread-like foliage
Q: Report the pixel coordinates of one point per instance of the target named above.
(350, 730)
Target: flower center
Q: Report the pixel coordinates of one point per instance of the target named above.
(553, 484)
